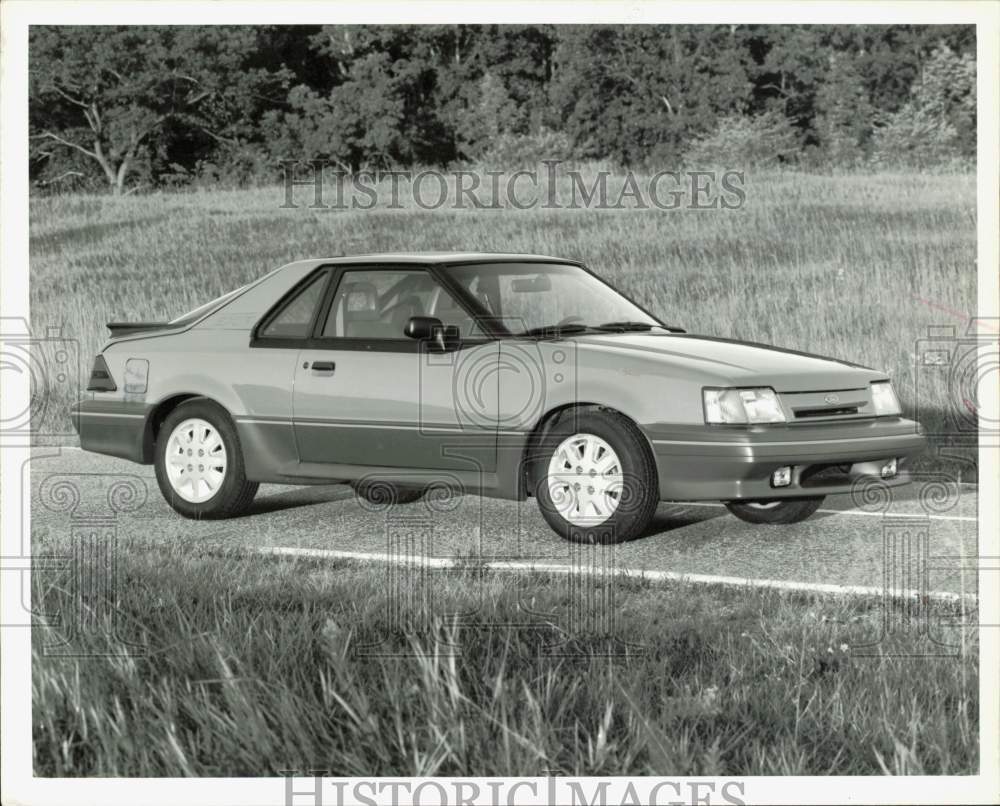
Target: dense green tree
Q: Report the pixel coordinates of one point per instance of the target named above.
(143, 105)
(790, 64)
(635, 93)
(938, 123)
(385, 76)
(108, 94)
(487, 117)
(947, 90)
(844, 115)
(745, 141)
(891, 58)
(432, 78)
(787, 65)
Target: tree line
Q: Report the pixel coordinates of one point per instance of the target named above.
(139, 107)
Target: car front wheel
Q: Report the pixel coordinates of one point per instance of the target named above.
(595, 478)
(199, 463)
(790, 510)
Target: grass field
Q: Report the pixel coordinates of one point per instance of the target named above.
(253, 666)
(854, 267)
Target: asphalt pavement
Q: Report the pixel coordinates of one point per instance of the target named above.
(873, 545)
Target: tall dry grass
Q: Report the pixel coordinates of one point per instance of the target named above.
(253, 667)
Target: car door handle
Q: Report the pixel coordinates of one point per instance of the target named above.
(323, 366)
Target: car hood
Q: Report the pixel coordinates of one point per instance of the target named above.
(738, 363)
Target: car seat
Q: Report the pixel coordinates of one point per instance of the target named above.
(360, 305)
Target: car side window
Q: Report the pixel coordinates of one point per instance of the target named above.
(377, 304)
(293, 320)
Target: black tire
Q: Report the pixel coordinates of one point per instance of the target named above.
(385, 493)
(791, 510)
(640, 493)
(235, 493)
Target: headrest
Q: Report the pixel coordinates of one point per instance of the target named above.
(360, 296)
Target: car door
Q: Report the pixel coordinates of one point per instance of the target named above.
(265, 383)
(366, 395)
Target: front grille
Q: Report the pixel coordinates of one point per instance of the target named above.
(841, 412)
(832, 404)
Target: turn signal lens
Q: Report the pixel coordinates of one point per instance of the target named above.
(884, 399)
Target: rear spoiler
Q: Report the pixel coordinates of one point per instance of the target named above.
(128, 328)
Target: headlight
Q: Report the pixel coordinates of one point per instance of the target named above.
(884, 399)
(742, 406)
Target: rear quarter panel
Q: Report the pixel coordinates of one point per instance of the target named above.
(216, 364)
(213, 357)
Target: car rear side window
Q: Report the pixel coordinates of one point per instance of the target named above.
(295, 317)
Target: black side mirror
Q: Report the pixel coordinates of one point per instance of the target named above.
(421, 327)
(439, 336)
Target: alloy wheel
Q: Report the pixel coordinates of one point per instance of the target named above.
(585, 480)
(196, 460)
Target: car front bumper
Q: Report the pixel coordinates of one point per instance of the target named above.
(707, 463)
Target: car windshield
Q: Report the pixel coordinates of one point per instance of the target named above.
(535, 298)
(193, 316)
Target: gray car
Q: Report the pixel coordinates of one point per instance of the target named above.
(497, 374)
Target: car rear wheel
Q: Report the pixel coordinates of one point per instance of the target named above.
(595, 478)
(199, 462)
(790, 510)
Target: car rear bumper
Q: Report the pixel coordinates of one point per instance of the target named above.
(725, 464)
(114, 427)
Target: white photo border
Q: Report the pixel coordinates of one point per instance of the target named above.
(18, 783)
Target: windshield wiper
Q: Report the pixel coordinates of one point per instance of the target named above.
(623, 327)
(557, 330)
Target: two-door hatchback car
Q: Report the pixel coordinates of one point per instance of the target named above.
(496, 374)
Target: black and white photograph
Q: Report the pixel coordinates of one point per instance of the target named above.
(499, 403)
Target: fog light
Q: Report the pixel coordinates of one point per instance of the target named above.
(889, 469)
(781, 477)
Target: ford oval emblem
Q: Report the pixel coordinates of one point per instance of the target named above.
(831, 399)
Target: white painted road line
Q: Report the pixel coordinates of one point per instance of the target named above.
(965, 518)
(664, 576)
(861, 512)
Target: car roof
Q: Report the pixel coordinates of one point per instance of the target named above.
(437, 258)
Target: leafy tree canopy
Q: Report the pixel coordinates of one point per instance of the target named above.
(142, 106)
